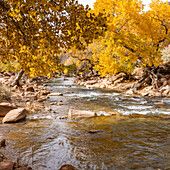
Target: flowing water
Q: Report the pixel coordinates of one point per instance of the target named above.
(45, 142)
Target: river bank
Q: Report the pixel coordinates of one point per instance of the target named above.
(136, 84)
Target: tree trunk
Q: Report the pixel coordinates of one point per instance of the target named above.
(17, 79)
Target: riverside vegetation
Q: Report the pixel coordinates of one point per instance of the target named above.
(117, 45)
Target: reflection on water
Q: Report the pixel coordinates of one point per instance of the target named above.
(122, 143)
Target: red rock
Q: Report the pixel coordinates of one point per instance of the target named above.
(67, 167)
(30, 88)
(74, 114)
(6, 165)
(2, 143)
(15, 115)
(23, 168)
(5, 108)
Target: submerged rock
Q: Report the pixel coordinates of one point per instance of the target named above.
(23, 168)
(30, 89)
(6, 165)
(2, 143)
(5, 108)
(67, 167)
(55, 94)
(75, 114)
(95, 131)
(15, 115)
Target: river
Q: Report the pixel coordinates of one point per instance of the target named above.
(45, 142)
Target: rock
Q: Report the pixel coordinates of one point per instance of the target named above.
(2, 143)
(130, 92)
(6, 165)
(5, 108)
(15, 115)
(145, 93)
(30, 89)
(74, 114)
(138, 73)
(155, 93)
(67, 167)
(60, 104)
(23, 168)
(90, 82)
(115, 114)
(158, 105)
(95, 131)
(63, 117)
(7, 74)
(45, 92)
(55, 94)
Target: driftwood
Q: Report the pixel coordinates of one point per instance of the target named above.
(157, 77)
(17, 79)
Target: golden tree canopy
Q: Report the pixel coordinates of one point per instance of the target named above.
(32, 32)
(132, 34)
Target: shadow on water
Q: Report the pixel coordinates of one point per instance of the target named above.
(116, 142)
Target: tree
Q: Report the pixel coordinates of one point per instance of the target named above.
(33, 32)
(132, 36)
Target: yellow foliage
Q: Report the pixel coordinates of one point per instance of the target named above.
(32, 32)
(132, 35)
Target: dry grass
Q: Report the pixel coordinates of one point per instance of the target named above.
(5, 94)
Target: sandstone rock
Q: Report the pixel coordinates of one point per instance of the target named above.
(60, 104)
(67, 167)
(6, 165)
(115, 113)
(55, 94)
(7, 74)
(155, 93)
(82, 83)
(95, 131)
(5, 108)
(75, 114)
(138, 72)
(2, 143)
(130, 92)
(145, 93)
(15, 115)
(23, 168)
(90, 82)
(30, 89)
(45, 92)
(158, 105)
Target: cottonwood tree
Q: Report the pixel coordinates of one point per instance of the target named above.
(33, 32)
(132, 35)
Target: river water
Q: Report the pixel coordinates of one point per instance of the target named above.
(45, 142)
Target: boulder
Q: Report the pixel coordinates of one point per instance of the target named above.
(55, 94)
(6, 165)
(15, 115)
(30, 89)
(5, 108)
(75, 114)
(90, 82)
(23, 168)
(95, 131)
(137, 73)
(2, 143)
(67, 167)
(130, 92)
(45, 92)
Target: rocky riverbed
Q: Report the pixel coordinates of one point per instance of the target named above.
(125, 84)
(51, 104)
